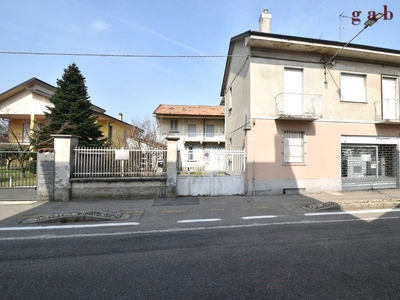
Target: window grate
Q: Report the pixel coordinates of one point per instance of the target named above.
(294, 147)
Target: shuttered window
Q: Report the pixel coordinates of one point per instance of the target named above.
(293, 147)
(192, 130)
(353, 87)
(210, 131)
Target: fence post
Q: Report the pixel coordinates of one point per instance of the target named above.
(64, 146)
(172, 164)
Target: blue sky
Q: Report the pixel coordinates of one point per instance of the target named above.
(136, 86)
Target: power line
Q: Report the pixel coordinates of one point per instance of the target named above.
(116, 55)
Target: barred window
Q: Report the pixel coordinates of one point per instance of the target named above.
(294, 147)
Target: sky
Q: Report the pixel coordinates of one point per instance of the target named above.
(135, 86)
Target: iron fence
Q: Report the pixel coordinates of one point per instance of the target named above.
(107, 162)
(18, 168)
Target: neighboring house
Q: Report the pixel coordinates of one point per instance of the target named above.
(24, 104)
(307, 125)
(198, 127)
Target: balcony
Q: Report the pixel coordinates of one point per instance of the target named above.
(296, 106)
(200, 138)
(387, 111)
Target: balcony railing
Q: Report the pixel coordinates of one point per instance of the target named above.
(297, 106)
(204, 138)
(387, 111)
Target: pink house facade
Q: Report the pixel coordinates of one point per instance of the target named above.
(309, 124)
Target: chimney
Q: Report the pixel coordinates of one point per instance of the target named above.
(265, 21)
(120, 116)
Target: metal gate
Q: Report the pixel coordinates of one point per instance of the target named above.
(18, 175)
(368, 167)
(210, 172)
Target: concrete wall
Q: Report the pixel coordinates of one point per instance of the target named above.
(118, 188)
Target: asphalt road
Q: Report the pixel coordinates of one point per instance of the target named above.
(318, 257)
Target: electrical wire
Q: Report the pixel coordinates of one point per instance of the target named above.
(116, 55)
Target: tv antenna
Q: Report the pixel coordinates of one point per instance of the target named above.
(341, 16)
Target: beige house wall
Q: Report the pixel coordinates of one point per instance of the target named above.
(237, 108)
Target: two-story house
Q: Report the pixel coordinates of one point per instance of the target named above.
(198, 127)
(312, 115)
(24, 105)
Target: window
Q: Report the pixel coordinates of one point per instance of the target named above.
(210, 131)
(389, 98)
(293, 89)
(25, 132)
(293, 147)
(110, 134)
(192, 130)
(190, 153)
(353, 87)
(174, 125)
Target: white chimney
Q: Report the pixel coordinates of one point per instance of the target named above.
(120, 116)
(265, 21)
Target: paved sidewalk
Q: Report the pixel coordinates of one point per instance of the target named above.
(13, 213)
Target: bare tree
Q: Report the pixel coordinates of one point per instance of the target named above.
(145, 135)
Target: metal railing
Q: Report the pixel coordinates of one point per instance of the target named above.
(387, 109)
(211, 160)
(18, 168)
(105, 162)
(297, 104)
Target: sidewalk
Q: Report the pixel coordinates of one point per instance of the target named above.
(13, 213)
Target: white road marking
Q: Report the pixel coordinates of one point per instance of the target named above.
(198, 220)
(172, 230)
(258, 217)
(66, 226)
(353, 212)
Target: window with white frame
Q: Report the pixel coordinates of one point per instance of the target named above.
(25, 132)
(294, 147)
(192, 130)
(174, 125)
(209, 131)
(353, 87)
(190, 153)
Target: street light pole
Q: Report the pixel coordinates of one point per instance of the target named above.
(367, 24)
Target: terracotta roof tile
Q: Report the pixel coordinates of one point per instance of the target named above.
(190, 110)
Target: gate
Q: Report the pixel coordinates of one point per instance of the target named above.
(18, 175)
(210, 172)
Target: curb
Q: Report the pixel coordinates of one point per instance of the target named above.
(355, 204)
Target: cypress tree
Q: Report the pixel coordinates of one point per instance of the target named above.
(72, 111)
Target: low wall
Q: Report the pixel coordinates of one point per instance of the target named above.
(118, 188)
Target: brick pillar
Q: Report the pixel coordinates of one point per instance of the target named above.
(172, 165)
(64, 146)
